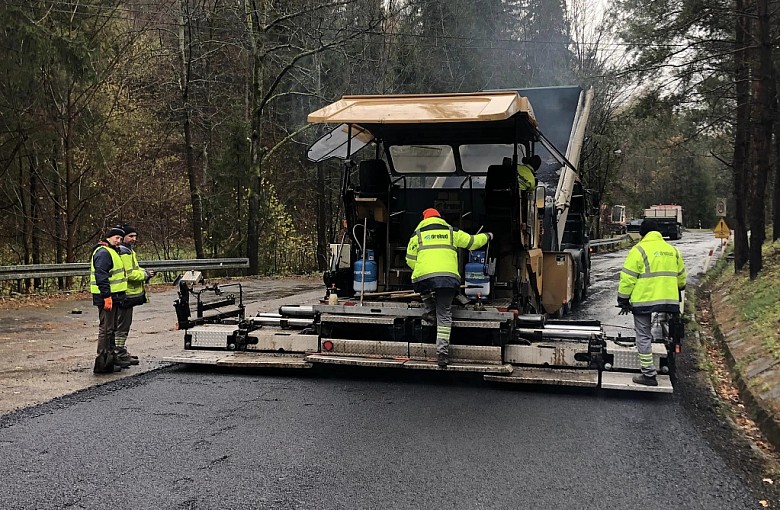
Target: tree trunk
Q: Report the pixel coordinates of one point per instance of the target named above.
(26, 228)
(740, 165)
(59, 213)
(763, 97)
(192, 177)
(776, 197)
(256, 148)
(192, 174)
(252, 226)
(70, 187)
(35, 218)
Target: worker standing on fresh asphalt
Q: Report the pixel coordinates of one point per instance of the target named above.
(652, 280)
(432, 254)
(107, 284)
(135, 295)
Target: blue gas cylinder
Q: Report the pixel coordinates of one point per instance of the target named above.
(477, 282)
(367, 282)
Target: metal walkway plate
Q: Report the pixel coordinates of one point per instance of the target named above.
(402, 362)
(238, 359)
(356, 361)
(622, 381)
(457, 366)
(553, 376)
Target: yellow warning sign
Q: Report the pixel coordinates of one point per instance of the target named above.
(722, 231)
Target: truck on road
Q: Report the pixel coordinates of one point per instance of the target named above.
(669, 219)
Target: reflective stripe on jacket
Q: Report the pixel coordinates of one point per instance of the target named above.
(114, 276)
(136, 276)
(652, 276)
(432, 249)
(526, 179)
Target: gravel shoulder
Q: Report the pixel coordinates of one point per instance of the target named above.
(48, 344)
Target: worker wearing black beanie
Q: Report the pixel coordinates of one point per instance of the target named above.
(107, 284)
(136, 292)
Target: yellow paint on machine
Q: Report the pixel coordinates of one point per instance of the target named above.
(424, 108)
(558, 286)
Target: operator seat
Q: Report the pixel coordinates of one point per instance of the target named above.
(374, 178)
(500, 192)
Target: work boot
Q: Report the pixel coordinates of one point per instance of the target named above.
(442, 360)
(104, 364)
(429, 317)
(121, 362)
(123, 355)
(645, 380)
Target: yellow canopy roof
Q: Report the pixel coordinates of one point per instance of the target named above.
(424, 108)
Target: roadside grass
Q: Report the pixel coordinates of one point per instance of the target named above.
(755, 312)
(759, 299)
(759, 302)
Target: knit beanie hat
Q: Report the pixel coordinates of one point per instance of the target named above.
(129, 229)
(648, 225)
(114, 231)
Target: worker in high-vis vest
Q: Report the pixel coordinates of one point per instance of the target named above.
(135, 295)
(526, 172)
(652, 281)
(432, 254)
(107, 284)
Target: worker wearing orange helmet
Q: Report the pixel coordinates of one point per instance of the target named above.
(432, 254)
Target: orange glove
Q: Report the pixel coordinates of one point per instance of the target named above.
(108, 304)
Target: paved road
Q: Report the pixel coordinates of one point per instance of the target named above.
(605, 274)
(184, 438)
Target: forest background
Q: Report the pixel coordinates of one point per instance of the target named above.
(187, 118)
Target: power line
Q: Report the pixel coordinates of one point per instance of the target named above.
(232, 29)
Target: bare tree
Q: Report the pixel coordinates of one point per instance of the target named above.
(276, 58)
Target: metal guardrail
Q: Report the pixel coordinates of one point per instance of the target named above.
(609, 242)
(82, 268)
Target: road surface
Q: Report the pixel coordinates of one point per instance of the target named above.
(198, 439)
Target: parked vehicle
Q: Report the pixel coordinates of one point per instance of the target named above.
(633, 225)
(669, 219)
(613, 219)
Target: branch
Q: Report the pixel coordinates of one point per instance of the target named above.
(285, 140)
(291, 64)
(305, 11)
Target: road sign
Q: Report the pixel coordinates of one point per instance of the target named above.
(722, 231)
(720, 207)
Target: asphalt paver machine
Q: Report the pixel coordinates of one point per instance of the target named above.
(458, 153)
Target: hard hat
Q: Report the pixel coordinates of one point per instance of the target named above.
(431, 213)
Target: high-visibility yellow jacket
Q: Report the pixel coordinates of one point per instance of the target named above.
(136, 276)
(652, 276)
(432, 249)
(526, 179)
(105, 281)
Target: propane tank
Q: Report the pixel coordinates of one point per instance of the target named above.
(477, 281)
(365, 280)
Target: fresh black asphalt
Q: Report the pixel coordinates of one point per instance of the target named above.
(182, 438)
